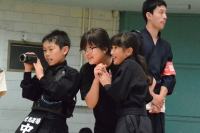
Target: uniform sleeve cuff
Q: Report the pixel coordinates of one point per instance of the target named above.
(107, 86)
(43, 81)
(27, 77)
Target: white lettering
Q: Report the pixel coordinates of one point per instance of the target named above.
(26, 128)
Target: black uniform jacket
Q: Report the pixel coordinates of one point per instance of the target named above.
(53, 91)
(156, 57)
(129, 88)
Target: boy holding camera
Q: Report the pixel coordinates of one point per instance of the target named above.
(52, 90)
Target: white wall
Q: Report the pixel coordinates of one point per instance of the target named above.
(17, 18)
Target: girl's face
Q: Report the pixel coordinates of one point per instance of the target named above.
(119, 54)
(53, 54)
(94, 55)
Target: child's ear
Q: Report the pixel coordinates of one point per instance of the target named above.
(105, 50)
(65, 50)
(129, 51)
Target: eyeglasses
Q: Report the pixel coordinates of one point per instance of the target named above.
(88, 50)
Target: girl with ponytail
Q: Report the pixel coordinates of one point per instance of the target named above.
(130, 86)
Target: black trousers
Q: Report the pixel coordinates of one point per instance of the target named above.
(103, 130)
(43, 122)
(157, 121)
(134, 124)
(52, 126)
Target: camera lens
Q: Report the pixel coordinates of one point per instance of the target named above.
(22, 57)
(28, 58)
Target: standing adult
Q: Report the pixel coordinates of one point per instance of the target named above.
(3, 87)
(95, 47)
(158, 55)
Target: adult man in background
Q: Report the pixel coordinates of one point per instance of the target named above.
(158, 55)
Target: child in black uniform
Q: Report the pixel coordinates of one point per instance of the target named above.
(96, 49)
(51, 90)
(130, 87)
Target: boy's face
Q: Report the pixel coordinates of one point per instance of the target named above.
(159, 17)
(53, 54)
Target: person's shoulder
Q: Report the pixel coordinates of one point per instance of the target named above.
(71, 69)
(87, 66)
(144, 31)
(165, 43)
(145, 35)
(132, 67)
(129, 63)
(64, 65)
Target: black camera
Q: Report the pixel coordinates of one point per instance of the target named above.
(28, 58)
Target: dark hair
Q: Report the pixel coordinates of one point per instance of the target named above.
(127, 40)
(150, 5)
(98, 37)
(59, 37)
(85, 130)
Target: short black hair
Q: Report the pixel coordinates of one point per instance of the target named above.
(150, 5)
(96, 36)
(59, 37)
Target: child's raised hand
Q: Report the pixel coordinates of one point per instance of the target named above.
(98, 70)
(110, 73)
(38, 69)
(105, 77)
(28, 67)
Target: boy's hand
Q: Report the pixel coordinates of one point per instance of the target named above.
(28, 67)
(38, 69)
